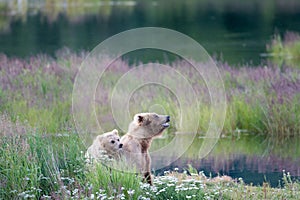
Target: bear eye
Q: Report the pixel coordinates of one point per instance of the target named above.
(156, 116)
(118, 140)
(112, 141)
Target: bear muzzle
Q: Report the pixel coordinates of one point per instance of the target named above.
(166, 124)
(120, 146)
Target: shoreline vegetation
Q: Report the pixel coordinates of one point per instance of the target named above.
(35, 103)
(41, 167)
(260, 99)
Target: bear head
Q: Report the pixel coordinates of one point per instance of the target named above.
(148, 125)
(110, 142)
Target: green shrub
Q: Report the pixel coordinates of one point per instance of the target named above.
(285, 51)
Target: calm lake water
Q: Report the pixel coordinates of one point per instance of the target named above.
(253, 158)
(235, 31)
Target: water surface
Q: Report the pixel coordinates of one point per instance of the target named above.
(253, 158)
(235, 31)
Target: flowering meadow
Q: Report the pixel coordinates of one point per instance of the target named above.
(45, 167)
(260, 99)
(42, 156)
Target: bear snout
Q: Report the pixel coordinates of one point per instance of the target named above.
(166, 123)
(120, 145)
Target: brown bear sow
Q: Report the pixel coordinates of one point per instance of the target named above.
(136, 143)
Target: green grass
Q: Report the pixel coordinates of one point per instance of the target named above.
(113, 182)
(38, 91)
(33, 166)
(285, 50)
(261, 100)
(39, 166)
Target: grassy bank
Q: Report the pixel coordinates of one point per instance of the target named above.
(34, 167)
(52, 167)
(260, 99)
(285, 51)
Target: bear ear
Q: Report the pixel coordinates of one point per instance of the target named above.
(115, 131)
(99, 138)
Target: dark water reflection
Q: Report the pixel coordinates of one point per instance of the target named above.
(235, 30)
(252, 158)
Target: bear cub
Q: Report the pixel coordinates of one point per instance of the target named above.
(105, 147)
